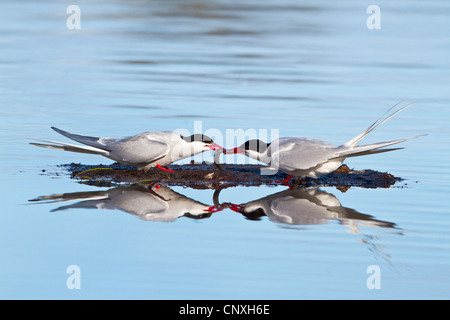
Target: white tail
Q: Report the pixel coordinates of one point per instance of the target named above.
(350, 149)
(372, 148)
(380, 121)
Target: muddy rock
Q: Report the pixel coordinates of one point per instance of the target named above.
(208, 176)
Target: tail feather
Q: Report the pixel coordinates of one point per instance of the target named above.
(368, 152)
(372, 148)
(374, 125)
(87, 204)
(69, 147)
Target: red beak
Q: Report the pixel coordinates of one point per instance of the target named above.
(213, 209)
(233, 151)
(235, 207)
(213, 146)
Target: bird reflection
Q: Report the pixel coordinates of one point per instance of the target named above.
(150, 203)
(312, 206)
(308, 206)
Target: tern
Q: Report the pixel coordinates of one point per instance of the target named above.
(307, 157)
(153, 203)
(143, 151)
(306, 206)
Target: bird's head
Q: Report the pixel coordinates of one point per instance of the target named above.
(200, 142)
(252, 148)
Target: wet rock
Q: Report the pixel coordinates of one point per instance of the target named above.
(207, 176)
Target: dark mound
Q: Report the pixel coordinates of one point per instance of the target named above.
(207, 176)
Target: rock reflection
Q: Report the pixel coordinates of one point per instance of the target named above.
(150, 203)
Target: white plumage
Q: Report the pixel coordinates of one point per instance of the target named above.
(154, 203)
(306, 157)
(306, 206)
(143, 151)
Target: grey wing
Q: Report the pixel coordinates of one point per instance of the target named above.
(139, 203)
(101, 143)
(302, 153)
(299, 211)
(138, 149)
(88, 204)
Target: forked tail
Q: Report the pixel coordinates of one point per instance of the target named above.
(373, 148)
(350, 148)
(353, 142)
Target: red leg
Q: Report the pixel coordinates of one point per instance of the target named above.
(154, 184)
(164, 168)
(286, 181)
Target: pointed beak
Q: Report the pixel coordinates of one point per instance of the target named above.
(233, 151)
(220, 207)
(235, 207)
(213, 146)
(221, 150)
(213, 209)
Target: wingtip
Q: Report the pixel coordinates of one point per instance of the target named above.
(61, 132)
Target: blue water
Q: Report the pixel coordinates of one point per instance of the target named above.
(303, 68)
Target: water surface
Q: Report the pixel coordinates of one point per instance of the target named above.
(305, 68)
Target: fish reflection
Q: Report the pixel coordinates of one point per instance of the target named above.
(306, 207)
(152, 203)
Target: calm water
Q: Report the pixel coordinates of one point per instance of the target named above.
(306, 68)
